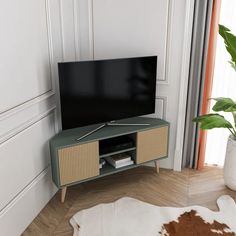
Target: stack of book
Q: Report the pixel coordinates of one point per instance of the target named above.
(120, 160)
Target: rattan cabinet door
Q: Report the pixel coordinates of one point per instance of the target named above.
(152, 144)
(78, 162)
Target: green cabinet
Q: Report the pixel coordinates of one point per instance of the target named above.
(75, 161)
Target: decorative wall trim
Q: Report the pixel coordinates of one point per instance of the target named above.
(50, 46)
(26, 103)
(5, 113)
(91, 29)
(76, 28)
(183, 85)
(165, 80)
(61, 27)
(54, 55)
(165, 102)
(22, 117)
(25, 190)
(21, 107)
(18, 129)
(61, 34)
(26, 198)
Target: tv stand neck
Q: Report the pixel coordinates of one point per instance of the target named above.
(111, 123)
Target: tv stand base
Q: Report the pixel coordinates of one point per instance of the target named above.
(111, 123)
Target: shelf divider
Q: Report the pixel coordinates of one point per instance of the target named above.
(117, 152)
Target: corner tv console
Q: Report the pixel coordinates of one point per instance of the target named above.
(75, 161)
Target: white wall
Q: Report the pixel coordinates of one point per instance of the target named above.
(36, 34)
(27, 112)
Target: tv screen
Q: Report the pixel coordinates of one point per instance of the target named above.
(94, 92)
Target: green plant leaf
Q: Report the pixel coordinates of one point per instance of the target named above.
(211, 121)
(224, 104)
(232, 64)
(230, 43)
(234, 116)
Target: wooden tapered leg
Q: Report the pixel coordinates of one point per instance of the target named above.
(63, 194)
(157, 166)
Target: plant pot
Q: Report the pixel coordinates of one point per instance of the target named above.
(230, 164)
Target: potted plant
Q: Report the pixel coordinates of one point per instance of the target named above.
(216, 120)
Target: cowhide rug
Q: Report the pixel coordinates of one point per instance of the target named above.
(131, 217)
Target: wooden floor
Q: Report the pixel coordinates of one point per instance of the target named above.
(168, 188)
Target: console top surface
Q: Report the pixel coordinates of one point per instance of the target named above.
(68, 138)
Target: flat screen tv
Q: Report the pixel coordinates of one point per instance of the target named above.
(93, 92)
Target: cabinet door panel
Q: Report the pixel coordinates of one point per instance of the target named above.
(152, 144)
(78, 162)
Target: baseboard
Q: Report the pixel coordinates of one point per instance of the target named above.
(21, 211)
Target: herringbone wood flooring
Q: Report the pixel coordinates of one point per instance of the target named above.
(168, 188)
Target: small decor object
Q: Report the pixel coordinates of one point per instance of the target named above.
(131, 217)
(216, 120)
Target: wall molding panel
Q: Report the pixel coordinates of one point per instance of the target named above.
(28, 113)
(85, 24)
(80, 34)
(164, 79)
(50, 46)
(25, 106)
(183, 85)
(128, 34)
(91, 28)
(163, 101)
(68, 29)
(160, 108)
(26, 66)
(24, 123)
(26, 206)
(76, 28)
(24, 156)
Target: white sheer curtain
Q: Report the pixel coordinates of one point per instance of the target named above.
(224, 85)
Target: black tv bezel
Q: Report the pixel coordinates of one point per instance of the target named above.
(107, 121)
